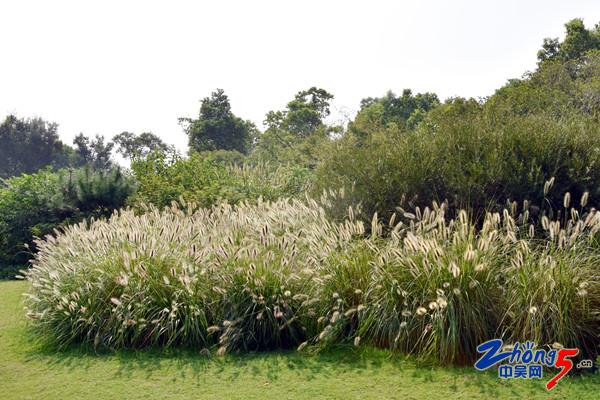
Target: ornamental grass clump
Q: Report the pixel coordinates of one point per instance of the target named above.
(436, 285)
(553, 296)
(236, 276)
(276, 275)
(552, 290)
(339, 295)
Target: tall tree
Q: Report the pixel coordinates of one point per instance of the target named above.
(578, 41)
(304, 114)
(217, 128)
(295, 135)
(404, 111)
(27, 145)
(131, 146)
(93, 152)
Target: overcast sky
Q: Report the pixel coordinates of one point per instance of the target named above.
(109, 66)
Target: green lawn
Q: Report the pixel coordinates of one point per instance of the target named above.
(27, 371)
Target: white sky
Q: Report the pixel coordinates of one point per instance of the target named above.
(109, 66)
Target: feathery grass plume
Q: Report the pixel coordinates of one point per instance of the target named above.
(168, 277)
(434, 269)
(555, 297)
(344, 279)
(567, 200)
(584, 199)
(548, 186)
(284, 274)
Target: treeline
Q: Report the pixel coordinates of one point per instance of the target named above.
(399, 152)
(27, 145)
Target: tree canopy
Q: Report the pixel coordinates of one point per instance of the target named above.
(404, 111)
(131, 146)
(578, 41)
(93, 152)
(26, 145)
(217, 128)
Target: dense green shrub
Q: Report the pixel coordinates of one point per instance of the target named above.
(460, 155)
(34, 205)
(29, 205)
(277, 275)
(556, 89)
(231, 157)
(277, 146)
(478, 154)
(204, 180)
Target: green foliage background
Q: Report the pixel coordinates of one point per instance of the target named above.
(34, 205)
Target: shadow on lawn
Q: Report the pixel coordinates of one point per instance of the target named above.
(190, 365)
(191, 362)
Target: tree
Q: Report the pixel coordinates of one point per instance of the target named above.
(82, 149)
(26, 145)
(217, 128)
(578, 41)
(296, 134)
(558, 89)
(404, 111)
(304, 114)
(550, 49)
(93, 152)
(131, 146)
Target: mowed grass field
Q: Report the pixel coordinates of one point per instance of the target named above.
(30, 371)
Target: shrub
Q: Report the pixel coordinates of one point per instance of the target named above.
(202, 180)
(34, 205)
(468, 160)
(28, 204)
